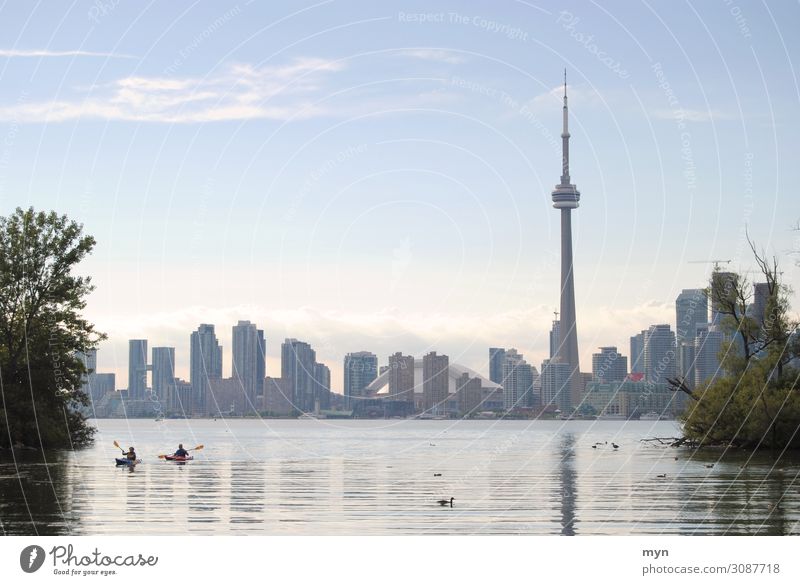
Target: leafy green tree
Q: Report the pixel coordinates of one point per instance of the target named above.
(755, 402)
(42, 331)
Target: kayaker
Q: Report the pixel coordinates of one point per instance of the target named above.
(131, 454)
(181, 452)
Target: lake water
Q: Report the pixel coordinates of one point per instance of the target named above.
(380, 477)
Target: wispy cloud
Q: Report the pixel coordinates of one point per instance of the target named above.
(239, 92)
(439, 55)
(49, 53)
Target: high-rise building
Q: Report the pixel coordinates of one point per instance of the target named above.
(691, 311)
(609, 365)
(137, 369)
(760, 299)
(555, 383)
(707, 346)
(101, 385)
(566, 198)
(401, 377)
(518, 378)
(554, 338)
(360, 368)
(723, 287)
(497, 356)
(435, 382)
(205, 364)
(298, 365)
(248, 359)
(322, 387)
(468, 394)
(637, 353)
(163, 366)
(660, 359)
(686, 360)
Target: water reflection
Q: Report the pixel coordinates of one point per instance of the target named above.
(567, 484)
(384, 477)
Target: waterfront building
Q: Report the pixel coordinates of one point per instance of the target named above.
(205, 364)
(497, 356)
(137, 369)
(360, 369)
(609, 365)
(660, 354)
(435, 382)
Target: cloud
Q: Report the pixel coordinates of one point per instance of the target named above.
(239, 92)
(439, 55)
(49, 53)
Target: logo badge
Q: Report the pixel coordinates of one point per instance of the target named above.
(31, 558)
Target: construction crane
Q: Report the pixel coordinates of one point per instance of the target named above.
(716, 263)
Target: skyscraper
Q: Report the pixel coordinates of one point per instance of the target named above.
(518, 377)
(555, 338)
(660, 359)
(435, 382)
(360, 368)
(322, 386)
(497, 356)
(637, 353)
(707, 346)
(609, 365)
(298, 365)
(248, 360)
(723, 287)
(566, 198)
(137, 369)
(205, 363)
(401, 377)
(691, 311)
(760, 299)
(555, 379)
(163, 366)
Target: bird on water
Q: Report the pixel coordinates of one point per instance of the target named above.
(445, 502)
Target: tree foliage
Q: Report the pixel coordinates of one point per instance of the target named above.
(42, 331)
(755, 400)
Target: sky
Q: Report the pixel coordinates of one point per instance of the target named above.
(377, 175)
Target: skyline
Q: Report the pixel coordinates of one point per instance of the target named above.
(375, 175)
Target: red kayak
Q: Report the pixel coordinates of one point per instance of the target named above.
(178, 458)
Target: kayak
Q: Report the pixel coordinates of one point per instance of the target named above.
(127, 461)
(178, 458)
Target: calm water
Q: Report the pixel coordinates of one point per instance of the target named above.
(377, 477)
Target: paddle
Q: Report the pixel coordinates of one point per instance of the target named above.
(118, 447)
(198, 448)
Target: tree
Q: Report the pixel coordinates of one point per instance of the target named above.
(42, 331)
(755, 402)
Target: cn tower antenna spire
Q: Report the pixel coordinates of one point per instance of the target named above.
(565, 139)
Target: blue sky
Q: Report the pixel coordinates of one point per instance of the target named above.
(377, 175)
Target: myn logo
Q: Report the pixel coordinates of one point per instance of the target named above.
(31, 558)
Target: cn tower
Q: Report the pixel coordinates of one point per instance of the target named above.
(566, 197)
